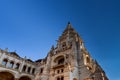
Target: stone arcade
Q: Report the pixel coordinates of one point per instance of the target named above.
(69, 60)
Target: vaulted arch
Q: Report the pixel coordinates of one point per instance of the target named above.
(58, 58)
(25, 78)
(6, 76)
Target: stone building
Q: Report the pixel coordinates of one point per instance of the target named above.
(68, 60)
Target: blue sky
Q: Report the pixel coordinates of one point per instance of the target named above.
(31, 27)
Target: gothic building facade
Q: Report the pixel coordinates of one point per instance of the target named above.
(69, 60)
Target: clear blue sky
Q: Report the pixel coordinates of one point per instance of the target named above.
(31, 27)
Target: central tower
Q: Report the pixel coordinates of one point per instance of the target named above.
(70, 60)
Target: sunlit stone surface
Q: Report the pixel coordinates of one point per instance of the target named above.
(68, 60)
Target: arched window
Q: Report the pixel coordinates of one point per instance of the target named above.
(62, 70)
(41, 70)
(62, 78)
(33, 70)
(29, 68)
(11, 64)
(58, 78)
(17, 66)
(4, 62)
(24, 68)
(58, 71)
(61, 61)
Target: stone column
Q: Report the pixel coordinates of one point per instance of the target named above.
(1, 57)
(31, 70)
(0, 61)
(14, 65)
(21, 66)
(8, 63)
(26, 69)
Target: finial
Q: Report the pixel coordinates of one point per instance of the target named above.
(68, 22)
(69, 25)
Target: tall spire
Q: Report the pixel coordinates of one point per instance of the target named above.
(68, 30)
(68, 22)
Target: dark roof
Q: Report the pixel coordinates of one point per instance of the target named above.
(29, 60)
(15, 54)
(39, 60)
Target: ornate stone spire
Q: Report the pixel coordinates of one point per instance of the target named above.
(68, 30)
